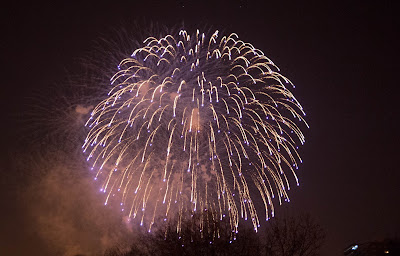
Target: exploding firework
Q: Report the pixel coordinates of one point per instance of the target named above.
(195, 123)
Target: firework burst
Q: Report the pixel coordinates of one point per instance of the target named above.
(195, 123)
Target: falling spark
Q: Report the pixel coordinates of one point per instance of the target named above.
(196, 123)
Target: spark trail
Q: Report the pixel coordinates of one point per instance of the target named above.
(196, 123)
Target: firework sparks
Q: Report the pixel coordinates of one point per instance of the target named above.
(195, 123)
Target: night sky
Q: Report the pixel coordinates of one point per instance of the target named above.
(342, 57)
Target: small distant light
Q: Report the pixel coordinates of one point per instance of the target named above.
(386, 252)
(354, 247)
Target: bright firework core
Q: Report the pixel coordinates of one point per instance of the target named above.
(195, 123)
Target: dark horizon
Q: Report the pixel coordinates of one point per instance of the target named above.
(341, 57)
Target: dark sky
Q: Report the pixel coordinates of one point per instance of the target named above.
(342, 57)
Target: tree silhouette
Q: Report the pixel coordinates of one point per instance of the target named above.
(293, 236)
(202, 234)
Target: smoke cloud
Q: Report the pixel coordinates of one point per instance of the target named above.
(61, 209)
